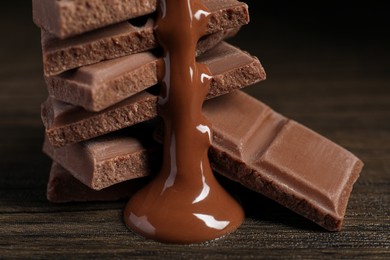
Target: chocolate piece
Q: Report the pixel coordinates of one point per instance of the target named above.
(101, 162)
(68, 18)
(279, 158)
(108, 43)
(107, 160)
(98, 86)
(230, 68)
(63, 187)
(67, 124)
(65, 18)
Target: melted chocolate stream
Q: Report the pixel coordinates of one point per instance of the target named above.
(184, 203)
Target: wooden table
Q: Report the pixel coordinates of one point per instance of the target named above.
(327, 68)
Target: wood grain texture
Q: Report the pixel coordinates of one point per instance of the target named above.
(327, 69)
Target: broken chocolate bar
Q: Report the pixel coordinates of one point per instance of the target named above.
(63, 187)
(270, 154)
(129, 154)
(68, 18)
(108, 43)
(65, 124)
(98, 86)
(281, 159)
(111, 42)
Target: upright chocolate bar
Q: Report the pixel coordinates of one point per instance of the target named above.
(270, 154)
(230, 67)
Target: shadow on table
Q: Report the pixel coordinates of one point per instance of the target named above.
(261, 208)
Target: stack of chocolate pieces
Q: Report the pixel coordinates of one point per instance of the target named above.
(100, 117)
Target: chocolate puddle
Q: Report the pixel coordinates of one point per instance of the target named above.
(184, 203)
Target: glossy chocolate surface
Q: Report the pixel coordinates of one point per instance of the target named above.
(184, 203)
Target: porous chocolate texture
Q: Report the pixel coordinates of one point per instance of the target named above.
(129, 37)
(108, 43)
(230, 69)
(98, 86)
(63, 187)
(66, 18)
(111, 159)
(266, 152)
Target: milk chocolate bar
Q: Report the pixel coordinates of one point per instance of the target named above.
(98, 86)
(66, 124)
(268, 153)
(66, 18)
(111, 42)
(108, 43)
(127, 154)
(63, 187)
(281, 159)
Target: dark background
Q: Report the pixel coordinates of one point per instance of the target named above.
(327, 66)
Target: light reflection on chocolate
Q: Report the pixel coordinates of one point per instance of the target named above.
(184, 203)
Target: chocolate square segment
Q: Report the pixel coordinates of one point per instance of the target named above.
(246, 132)
(63, 187)
(66, 18)
(102, 71)
(98, 86)
(111, 159)
(72, 124)
(319, 171)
